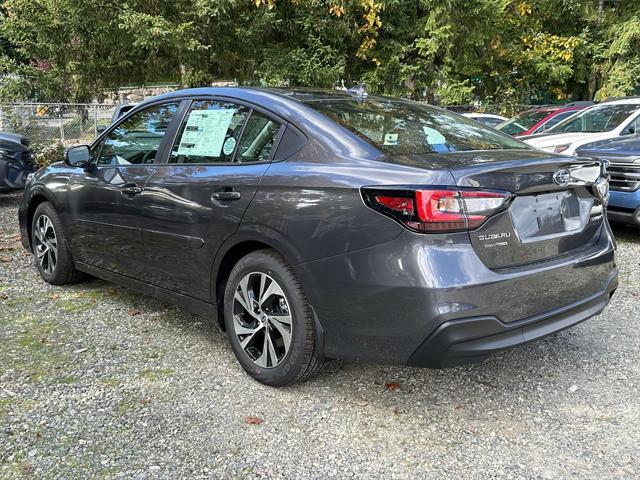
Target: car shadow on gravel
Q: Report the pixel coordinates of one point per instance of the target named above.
(626, 233)
(553, 362)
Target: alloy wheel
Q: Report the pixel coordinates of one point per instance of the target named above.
(46, 244)
(262, 319)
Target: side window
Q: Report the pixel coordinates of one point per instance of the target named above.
(209, 133)
(137, 139)
(557, 119)
(632, 128)
(217, 132)
(554, 121)
(258, 138)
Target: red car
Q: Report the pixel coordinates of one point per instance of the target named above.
(539, 119)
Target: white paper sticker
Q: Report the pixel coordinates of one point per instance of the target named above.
(391, 139)
(229, 145)
(434, 137)
(205, 131)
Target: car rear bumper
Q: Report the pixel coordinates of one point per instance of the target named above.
(468, 340)
(406, 301)
(13, 174)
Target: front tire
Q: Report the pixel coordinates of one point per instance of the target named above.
(50, 247)
(269, 320)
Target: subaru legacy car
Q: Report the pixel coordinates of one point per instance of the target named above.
(17, 161)
(623, 157)
(320, 224)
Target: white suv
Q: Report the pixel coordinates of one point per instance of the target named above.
(601, 122)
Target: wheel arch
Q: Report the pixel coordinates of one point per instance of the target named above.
(236, 247)
(36, 199)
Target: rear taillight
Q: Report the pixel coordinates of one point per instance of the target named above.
(436, 210)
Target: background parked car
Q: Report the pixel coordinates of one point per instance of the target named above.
(16, 161)
(624, 168)
(604, 121)
(488, 119)
(540, 119)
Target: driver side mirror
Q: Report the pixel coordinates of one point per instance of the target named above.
(79, 156)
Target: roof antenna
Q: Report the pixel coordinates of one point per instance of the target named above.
(359, 91)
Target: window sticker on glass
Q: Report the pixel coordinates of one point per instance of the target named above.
(205, 132)
(434, 137)
(229, 145)
(391, 139)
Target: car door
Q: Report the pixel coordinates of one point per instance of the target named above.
(104, 200)
(196, 200)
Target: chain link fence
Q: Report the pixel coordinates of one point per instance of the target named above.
(46, 124)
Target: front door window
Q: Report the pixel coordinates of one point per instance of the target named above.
(136, 140)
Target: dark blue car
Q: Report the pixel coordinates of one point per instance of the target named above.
(16, 161)
(624, 168)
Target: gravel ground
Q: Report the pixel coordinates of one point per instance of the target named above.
(96, 381)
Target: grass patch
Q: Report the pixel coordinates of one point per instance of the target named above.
(79, 301)
(68, 380)
(156, 374)
(5, 406)
(32, 351)
(109, 382)
(73, 306)
(16, 302)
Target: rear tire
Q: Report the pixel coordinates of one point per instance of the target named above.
(51, 249)
(269, 321)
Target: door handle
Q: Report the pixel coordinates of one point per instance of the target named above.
(130, 189)
(225, 196)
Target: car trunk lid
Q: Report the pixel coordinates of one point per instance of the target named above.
(554, 209)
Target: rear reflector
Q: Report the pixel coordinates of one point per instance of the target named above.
(436, 210)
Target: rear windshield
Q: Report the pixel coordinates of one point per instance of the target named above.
(401, 127)
(601, 118)
(523, 121)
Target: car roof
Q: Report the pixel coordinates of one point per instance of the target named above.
(246, 93)
(623, 101)
(488, 115)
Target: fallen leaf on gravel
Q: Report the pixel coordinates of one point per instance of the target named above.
(42, 339)
(145, 401)
(251, 420)
(54, 296)
(4, 259)
(391, 386)
(134, 311)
